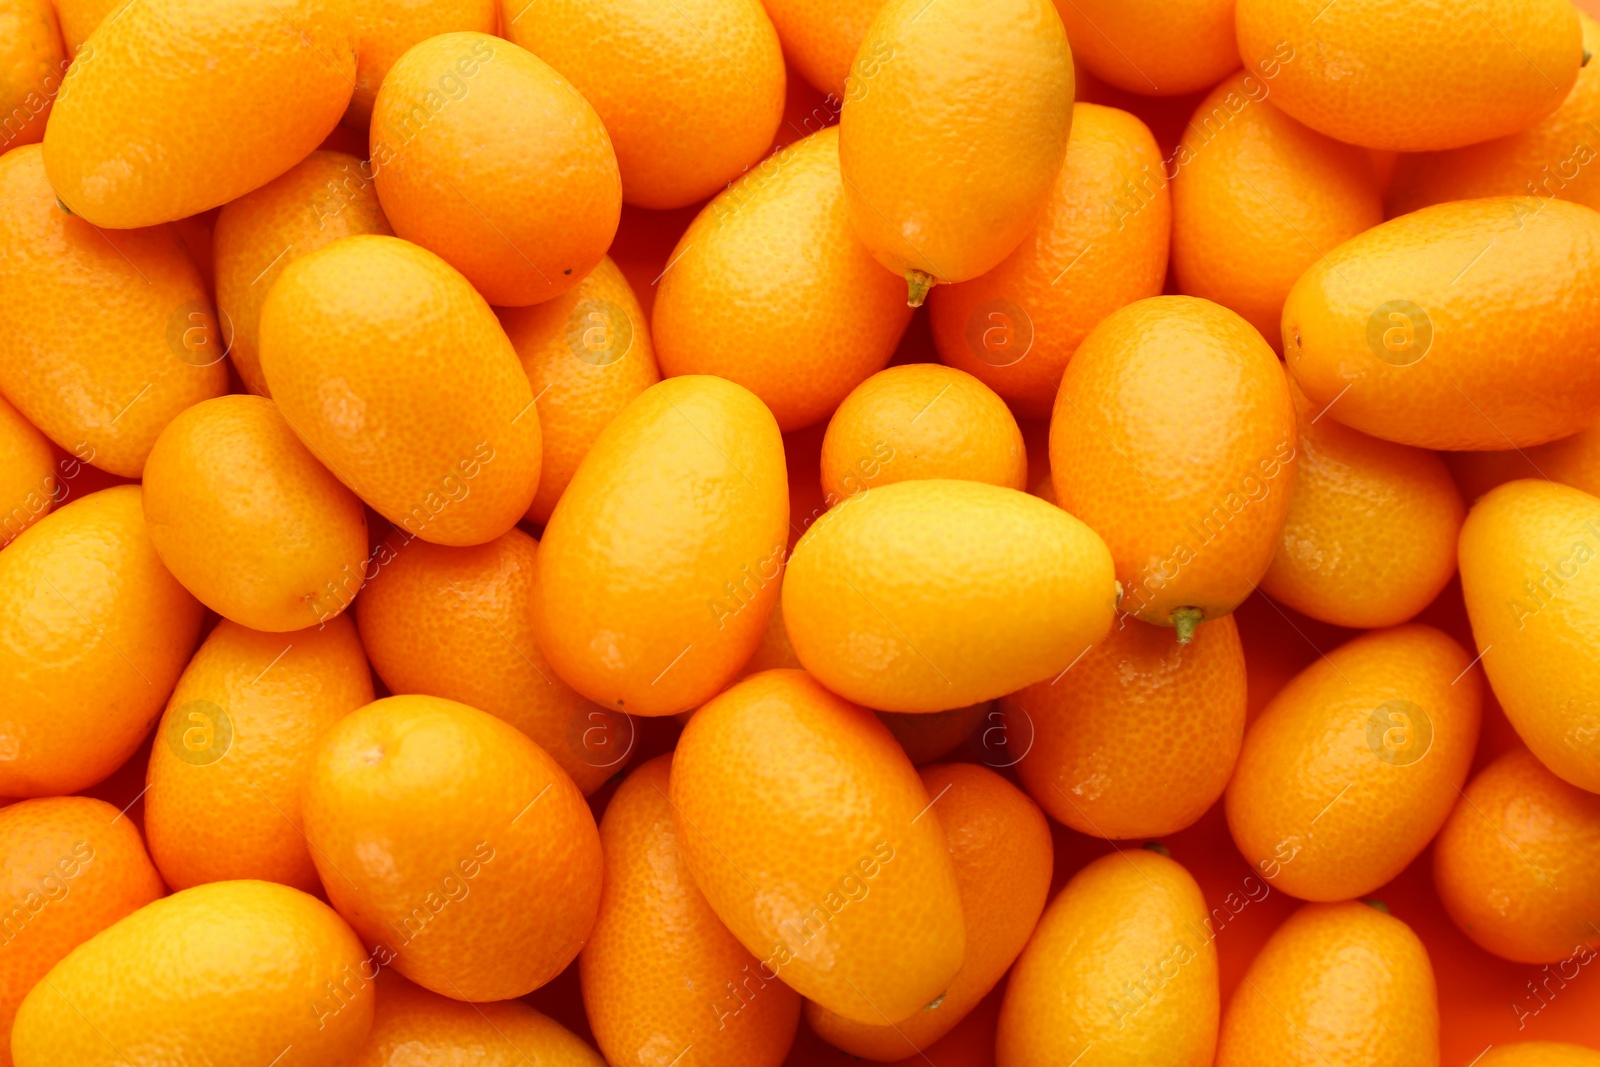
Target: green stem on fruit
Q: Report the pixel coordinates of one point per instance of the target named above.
(917, 285)
(1185, 620)
(1587, 55)
(1375, 904)
(62, 204)
(1158, 848)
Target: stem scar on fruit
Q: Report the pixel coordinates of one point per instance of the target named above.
(1185, 620)
(917, 285)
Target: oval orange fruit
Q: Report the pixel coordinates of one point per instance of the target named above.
(246, 518)
(660, 969)
(1343, 979)
(770, 288)
(1257, 198)
(230, 972)
(1000, 843)
(1137, 739)
(1354, 766)
(920, 420)
(1517, 865)
(1408, 324)
(1464, 79)
(691, 92)
(129, 341)
(245, 89)
(658, 568)
(514, 183)
(1173, 437)
(933, 594)
(1370, 539)
(444, 835)
(1528, 552)
(94, 632)
(1100, 243)
(857, 906)
(1120, 963)
(233, 751)
(395, 373)
(944, 174)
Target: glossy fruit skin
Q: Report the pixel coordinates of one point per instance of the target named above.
(1350, 323)
(513, 182)
(820, 37)
(1573, 461)
(944, 173)
(1352, 768)
(70, 867)
(660, 968)
(32, 63)
(1173, 437)
(770, 288)
(1517, 866)
(457, 623)
(1257, 199)
(1343, 980)
(1389, 75)
(246, 518)
(1371, 535)
(917, 421)
(1101, 242)
(690, 92)
(129, 340)
(28, 485)
(1000, 843)
(1550, 158)
(1540, 1054)
(411, 1025)
(658, 566)
(326, 196)
(214, 974)
(443, 835)
(1137, 740)
(1082, 979)
(1153, 47)
(234, 102)
(94, 632)
(793, 804)
(224, 794)
(385, 31)
(934, 594)
(395, 373)
(1526, 555)
(587, 353)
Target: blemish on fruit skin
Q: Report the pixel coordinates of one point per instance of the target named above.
(372, 755)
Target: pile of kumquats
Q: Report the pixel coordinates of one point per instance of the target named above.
(740, 533)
